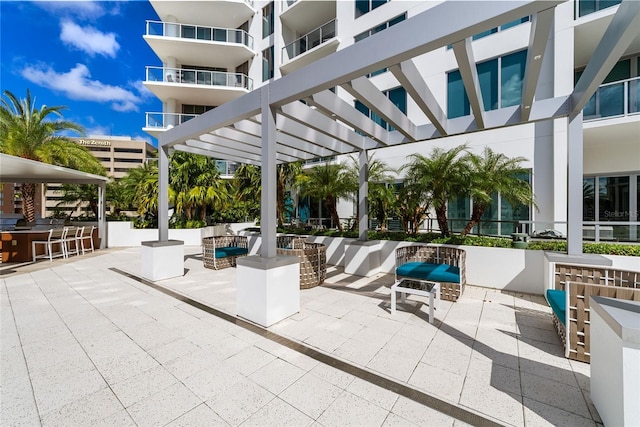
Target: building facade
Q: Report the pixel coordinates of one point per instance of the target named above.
(213, 52)
(118, 155)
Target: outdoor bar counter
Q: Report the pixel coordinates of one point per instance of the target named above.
(15, 245)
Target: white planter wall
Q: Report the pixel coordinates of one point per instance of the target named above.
(123, 234)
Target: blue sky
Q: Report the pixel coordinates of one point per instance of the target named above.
(87, 56)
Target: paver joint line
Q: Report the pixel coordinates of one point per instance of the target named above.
(386, 383)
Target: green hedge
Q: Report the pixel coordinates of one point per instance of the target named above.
(491, 242)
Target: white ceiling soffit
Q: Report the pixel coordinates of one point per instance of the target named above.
(326, 124)
(17, 169)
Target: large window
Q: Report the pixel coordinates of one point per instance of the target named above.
(267, 20)
(366, 6)
(585, 7)
(399, 98)
(267, 64)
(611, 201)
(500, 82)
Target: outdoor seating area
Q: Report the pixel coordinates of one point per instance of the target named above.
(491, 358)
(444, 265)
(64, 242)
(569, 301)
(222, 251)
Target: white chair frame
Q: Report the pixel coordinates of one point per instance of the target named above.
(87, 236)
(56, 237)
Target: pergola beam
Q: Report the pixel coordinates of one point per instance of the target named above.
(332, 104)
(214, 154)
(366, 92)
(410, 78)
(467, 66)
(540, 29)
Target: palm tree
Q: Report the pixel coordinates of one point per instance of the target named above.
(246, 189)
(140, 189)
(30, 133)
(329, 182)
(196, 184)
(412, 204)
(438, 178)
(496, 173)
(286, 175)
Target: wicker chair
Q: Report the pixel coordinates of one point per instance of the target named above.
(313, 259)
(222, 251)
(441, 264)
(574, 284)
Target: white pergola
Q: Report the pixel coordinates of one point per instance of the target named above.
(17, 169)
(270, 125)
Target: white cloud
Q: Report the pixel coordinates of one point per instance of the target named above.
(82, 9)
(89, 39)
(77, 84)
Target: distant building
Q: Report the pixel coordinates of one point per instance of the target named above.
(118, 155)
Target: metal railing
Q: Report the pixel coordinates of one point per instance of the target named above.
(167, 120)
(199, 32)
(198, 77)
(614, 99)
(310, 40)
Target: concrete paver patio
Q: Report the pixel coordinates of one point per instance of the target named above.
(83, 342)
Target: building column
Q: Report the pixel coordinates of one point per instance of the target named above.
(163, 194)
(574, 184)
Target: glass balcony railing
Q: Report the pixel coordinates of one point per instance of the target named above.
(199, 32)
(310, 40)
(615, 99)
(198, 77)
(167, 120)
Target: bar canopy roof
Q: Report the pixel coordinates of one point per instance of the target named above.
(324, 124)
(17, 169)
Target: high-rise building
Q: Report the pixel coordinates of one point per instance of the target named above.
(214, 52)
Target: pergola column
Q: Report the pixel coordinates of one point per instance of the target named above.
(363, 195)
(574, 184)
(268, 285)
(102, 223)
(162, 258)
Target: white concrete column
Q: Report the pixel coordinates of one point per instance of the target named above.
(268, 217)
(363, 195)
(163, 194)
(574, 184)
(102, 223)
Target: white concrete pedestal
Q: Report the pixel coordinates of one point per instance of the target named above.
(268, 289)
(162, 259)
(615, 360)
(362, 258)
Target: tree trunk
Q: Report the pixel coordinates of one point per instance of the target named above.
(441, 216)
(476, 215)
(331, 205)
(28, 192)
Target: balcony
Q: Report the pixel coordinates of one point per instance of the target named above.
(198, 44)
(616, 99)
(199, 87)
(157, 123)
(314, 45)
(220, 13)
